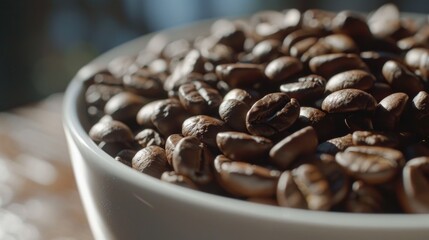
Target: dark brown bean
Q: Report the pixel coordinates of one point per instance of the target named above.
(272, 114)
(124, 106)
(317, 19)
(357, 79)
(364, 198)
(191, 159)
(168, 116)
(203, 127)
(389, 111)
(120, 66)
(240, 74)
(371, 138)
(373, 165)
(306, 89)
(229, 34)
(178, 179)
(243, 147)
(233, 113)
(413, 194)
(400, 79)
(280, 69)
(348, 100)
(150, 160)
(297, 36)
(125, 156)
(308, 189)
(330, 64)
(144, 84)
(170, 145)
(266, 50)
(335, 145)
(244, 179)
(199, 98)
(351, 24)
(299, 143)
(149, 137)
(319, 120)
(110, 131)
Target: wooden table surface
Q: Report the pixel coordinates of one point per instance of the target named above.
(38, 195)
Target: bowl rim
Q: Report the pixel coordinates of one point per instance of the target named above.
(74, 128)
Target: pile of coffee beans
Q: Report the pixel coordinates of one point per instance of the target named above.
(314, 110)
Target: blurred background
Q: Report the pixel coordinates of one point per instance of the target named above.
(43, 43)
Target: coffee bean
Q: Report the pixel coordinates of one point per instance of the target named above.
(302, 142)
(413, 194)
(151, 161)
(335, 145)
(280, 69)
(317, 19)
(199, 98)
(144, 84)
(376, 60)
(144, 115)
(351, 24)
(177, 179)
(319, 120)
(389, 111)
(98, 94)
(149, 137)
(125, 156)
(191, 159)
(233, 113)
(380, 90)
(330, 64)
(371, 138)
(301, 47)
(357, 79)
(348, 100)
(170, 145)
(297, 36)
(124, 106)
(272, 114)
(240, 74)
(168, 116)
(336, 177)
(247, 96)
(420, 105)
(243, 147)
(304, 187)
(106, 78)
(229, 34)
(306, 89)
(266, 50)
(244, 179)
(120, 65)
(176, 49)
(110, 131)
(364, 198)
(192, 63)
(401, 79)
(373, 165)
(204, 128)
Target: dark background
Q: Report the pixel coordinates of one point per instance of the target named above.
(44, 42)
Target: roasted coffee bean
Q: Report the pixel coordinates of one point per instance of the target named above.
(357, 79)
(335, 145)
(191, 159)
(149, 137)
(170, 145)
(408, 43)
(229, 34)
(317, 19)
(106, 78)
(176, 49)
(193, 63)
(306, 89)
(386, 23)
(245, 179)
(373, 165)
(144, 84)
(297, 36)
(280, 69)
(247, 96)
(233, 113)
(371, 138)
(204, 128)
(110, 131)
(120, 65)
(420, 105)
(351, 24)
(199, 98)
(304, 187)
(168, 116)
(299, 143)
(400, 79)
(151, 161)
(266, 50)
(177, 179)
(376, 60)
(319, 120)
(336, 177)
(358, 121)
(413, 194)
(98, 94)
(334, 43)
(272, 114)
(144, 115)
(240, 74)
(389, 111)
(348, 100)
(243, 147)
(364, 198)
(124, 106)
(126, 156)
(330, 64)
(301, 47)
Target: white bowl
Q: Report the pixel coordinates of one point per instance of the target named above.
(122, 203)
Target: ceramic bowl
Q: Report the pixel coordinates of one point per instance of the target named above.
(124, 204)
